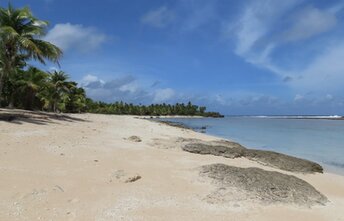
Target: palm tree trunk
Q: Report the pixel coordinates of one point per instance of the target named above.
(29, 99)
(1, 86)
(11, 104)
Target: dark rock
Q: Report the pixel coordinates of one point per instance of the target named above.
(268, 187)
(283, 162)
(217, 150)
(234, 150)
(134, 139)
(133, 179)
(175, 124)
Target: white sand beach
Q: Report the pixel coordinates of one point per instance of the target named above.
(84, 167)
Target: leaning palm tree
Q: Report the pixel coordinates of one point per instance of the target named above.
(21, 40)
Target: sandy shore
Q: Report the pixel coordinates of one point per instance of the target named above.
(84, 167)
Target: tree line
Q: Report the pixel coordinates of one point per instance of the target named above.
(27, 87)
(188, 109)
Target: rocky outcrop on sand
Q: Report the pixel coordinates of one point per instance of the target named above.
(273, 159)
(283, 162)
(235, 184)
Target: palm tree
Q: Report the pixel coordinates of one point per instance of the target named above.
(30, 83)
(55, 94)
(77, 99)
(21, 40)
(2, 69)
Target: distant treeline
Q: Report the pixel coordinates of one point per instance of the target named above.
(188, 109)
(27, 87)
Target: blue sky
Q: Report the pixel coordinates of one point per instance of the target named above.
(236, 57)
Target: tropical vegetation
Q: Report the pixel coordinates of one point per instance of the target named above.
(25, 86)
(154, 109)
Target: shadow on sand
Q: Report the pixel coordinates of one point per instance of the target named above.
(16, 116)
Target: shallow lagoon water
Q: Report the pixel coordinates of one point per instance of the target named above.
(320, 140)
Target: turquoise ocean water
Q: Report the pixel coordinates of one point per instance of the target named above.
(320, 140)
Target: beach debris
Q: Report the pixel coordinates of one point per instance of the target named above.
(233, 150)
(235, 184)
(59, 188)
(132, 179)
(134, 139)
(123, 177)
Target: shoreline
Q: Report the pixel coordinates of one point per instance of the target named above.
(310, 117)
(328, 167)
(107, 167)
(169, 116)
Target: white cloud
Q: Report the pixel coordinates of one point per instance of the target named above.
(258, 35)
(325, 73)
(131, 87)
(125, 88)
(309, 22)
(69, 36)
(89, 79)
(256, 22)
(298, 97)
(158, 18)
(163, 95)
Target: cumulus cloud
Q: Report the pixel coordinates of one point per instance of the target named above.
(119, 89)
(125, 88)
(88, 79)
(158, 18)
(73, 36)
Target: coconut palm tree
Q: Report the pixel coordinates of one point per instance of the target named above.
(29, 84)
(77, 99)
(21, 40)
(55, 94)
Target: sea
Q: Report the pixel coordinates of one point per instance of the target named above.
(316, 138)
